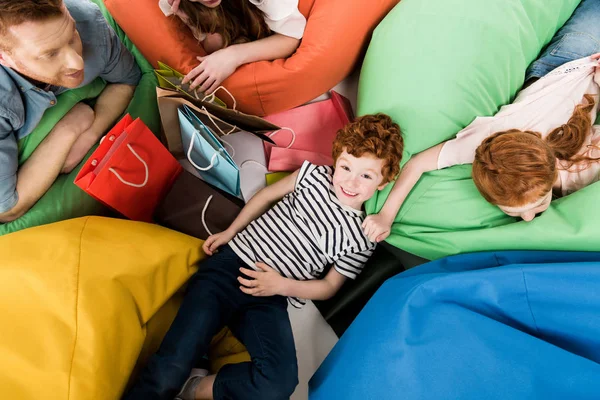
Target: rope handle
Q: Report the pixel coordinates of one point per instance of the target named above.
(136, 185)
(212, 96)
(189, 156)
(252, 162)
(204, 213)
(233, 128)
(283, 129)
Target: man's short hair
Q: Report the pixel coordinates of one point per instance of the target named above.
(16, 12)
(374, 134)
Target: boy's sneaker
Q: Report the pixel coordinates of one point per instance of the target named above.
(188, 391)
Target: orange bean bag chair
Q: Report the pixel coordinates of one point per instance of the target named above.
(336, 33)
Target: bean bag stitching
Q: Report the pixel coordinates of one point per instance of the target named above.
(407, 210)
(76, 307)
(262, 108)
(528, 302)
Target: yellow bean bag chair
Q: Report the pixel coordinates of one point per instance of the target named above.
(83, 301)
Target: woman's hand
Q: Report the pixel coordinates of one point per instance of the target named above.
(377, 227)
(266, 282)
(212, 70)
(215, 241)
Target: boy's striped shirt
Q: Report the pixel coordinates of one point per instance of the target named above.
(306, 231)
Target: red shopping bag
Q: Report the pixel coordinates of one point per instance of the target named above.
(308, 134)
(130, 171)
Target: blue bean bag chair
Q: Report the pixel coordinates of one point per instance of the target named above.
(506, 325)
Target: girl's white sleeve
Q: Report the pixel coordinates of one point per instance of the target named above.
(165, 7)
(282, 16)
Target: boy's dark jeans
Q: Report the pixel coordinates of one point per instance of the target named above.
(213, 300)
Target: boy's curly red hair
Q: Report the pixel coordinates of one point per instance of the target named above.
(375, 134)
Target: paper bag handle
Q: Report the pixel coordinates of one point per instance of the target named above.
(233, 128)
(283, 129)
(189, 157)
(212, 96)
(136, 185)
(204, 213)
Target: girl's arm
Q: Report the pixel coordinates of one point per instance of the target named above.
(270, 48)
(218, 66)
(378, 226)
(257, 205)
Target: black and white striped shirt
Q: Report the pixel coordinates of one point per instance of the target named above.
(306, 231)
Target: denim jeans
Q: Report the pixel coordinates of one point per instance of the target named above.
(579, 37)
(213, 300)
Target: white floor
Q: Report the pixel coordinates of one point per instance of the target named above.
(314, 337)
(314, 340)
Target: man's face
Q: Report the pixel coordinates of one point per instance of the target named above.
(48, 51)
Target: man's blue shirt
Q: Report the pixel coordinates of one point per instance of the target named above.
(22, 104)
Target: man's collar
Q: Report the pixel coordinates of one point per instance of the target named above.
(23, 83)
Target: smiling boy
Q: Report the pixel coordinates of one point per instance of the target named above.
(276, 250)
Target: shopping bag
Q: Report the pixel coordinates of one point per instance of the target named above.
(229, 120)
(206, 153)
(307, 134)
(233, 162)
(248, 154)
(169, 78)
(130, 171)
(196, 208)
(168, 104)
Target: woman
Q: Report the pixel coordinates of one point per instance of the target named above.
(237, 32)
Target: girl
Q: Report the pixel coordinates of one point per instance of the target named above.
(237, 32)
(525, 154)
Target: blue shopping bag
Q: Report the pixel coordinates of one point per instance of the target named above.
(206, 153)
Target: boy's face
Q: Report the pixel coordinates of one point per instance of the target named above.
(356, 179)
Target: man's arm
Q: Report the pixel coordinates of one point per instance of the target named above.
(110, 105)
(38, 173)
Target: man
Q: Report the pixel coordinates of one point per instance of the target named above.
(46, 48)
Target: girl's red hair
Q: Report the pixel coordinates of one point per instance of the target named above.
(514, 167)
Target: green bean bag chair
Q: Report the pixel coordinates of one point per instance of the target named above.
(434, 65)
(64, 200)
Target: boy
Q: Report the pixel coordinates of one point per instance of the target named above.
(269, 255)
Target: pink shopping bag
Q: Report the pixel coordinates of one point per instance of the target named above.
(307, 133)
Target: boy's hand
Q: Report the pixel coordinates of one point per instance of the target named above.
(266, 282)
(215, 241)
(377, 227)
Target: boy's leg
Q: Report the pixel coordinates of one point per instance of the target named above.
(579, 37)
(206, 308)
(264, 328)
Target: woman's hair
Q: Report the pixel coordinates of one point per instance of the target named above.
(237, 21)
(514, 167)
(373, 134)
